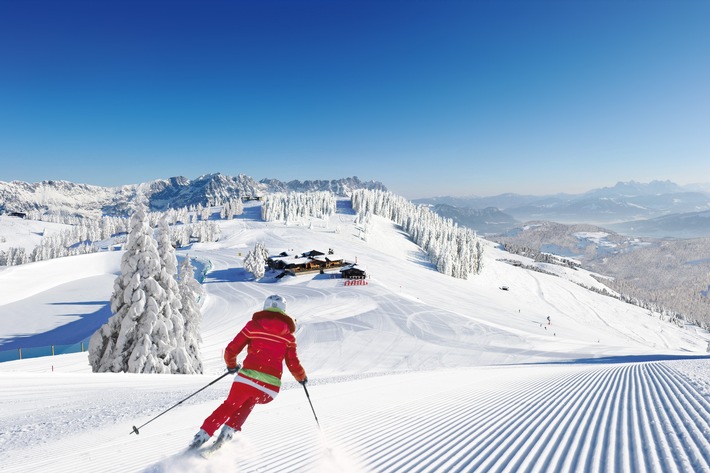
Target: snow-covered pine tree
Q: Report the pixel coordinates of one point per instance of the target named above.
(190, 292)
(237, 206)
(176, 358)
(255, 260)
(232, 207)
(130, 341)
(181, 235)
(183, 216)
(206, 213)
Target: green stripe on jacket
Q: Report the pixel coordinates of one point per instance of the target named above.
(263, 377)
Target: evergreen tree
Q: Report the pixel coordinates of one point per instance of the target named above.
(134, 338)
(190, 292)
(255, 260)
(176, 357)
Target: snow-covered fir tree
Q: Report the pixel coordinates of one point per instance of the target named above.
(206, 213)
(15, 256)
(136, 338)
(190, 293)
(177, 357)
(182, 216)
(180, 235)
(231, 208)
(255, 260)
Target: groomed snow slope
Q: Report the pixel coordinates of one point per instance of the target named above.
(414, 371)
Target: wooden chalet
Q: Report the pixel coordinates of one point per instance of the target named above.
(283, 260)
(310, 261)
(354, 271)
(329, 261)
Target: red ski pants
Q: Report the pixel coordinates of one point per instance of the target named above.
(236, 408)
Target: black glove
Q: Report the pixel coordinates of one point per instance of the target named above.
(233, 370)
(304, 381)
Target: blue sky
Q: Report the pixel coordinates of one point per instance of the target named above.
(431, 98)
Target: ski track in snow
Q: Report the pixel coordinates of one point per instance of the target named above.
(635, 417)
(558, 424)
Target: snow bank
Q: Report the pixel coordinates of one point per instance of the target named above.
(23, 281)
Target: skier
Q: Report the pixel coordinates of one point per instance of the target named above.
(269, 340)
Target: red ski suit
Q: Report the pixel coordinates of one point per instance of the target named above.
(269, 340)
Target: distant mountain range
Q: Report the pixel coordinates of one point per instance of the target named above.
(485, 221)
(655, 209)
(681, 225)
(86, 200)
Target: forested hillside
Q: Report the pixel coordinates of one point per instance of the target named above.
(672, 275)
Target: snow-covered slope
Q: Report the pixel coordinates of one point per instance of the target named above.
(20, 233)
(414, 371)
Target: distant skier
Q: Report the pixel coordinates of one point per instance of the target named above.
(269, 340)
(548, 320)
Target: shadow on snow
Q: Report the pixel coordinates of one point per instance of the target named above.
(72, 332)
(607, 360)
(228, 275)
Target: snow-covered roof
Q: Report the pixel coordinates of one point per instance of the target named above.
(356, 266)
(291, 259)
(327, 257)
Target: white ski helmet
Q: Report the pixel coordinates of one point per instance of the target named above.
(275, 303)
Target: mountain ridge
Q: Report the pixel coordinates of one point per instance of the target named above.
(653, 209)
(85, 200)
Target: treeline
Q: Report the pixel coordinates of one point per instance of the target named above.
(297, 206)
(86, 235)
(455, 251)
(77, 240)
(539, 256)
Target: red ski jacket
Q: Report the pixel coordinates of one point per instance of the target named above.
(269, 339)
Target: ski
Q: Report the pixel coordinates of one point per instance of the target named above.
(211, 450)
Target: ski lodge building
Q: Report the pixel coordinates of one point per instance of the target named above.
(309, 262)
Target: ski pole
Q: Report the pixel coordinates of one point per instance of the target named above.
(135, 429)
(309, 402)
